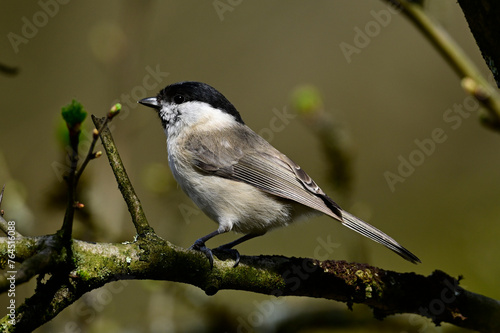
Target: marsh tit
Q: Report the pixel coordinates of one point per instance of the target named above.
(235, 176)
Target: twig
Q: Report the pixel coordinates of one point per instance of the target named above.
(95, 135)
(67, 228)
(74, 174)
(8, 70)
(90, 154)
(4, 226)
(132, 200)
(456, 57)
(1, 198)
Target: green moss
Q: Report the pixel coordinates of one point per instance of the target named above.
(83, 275)
(368, 291)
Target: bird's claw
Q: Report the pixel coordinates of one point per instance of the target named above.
(200, 246)
(230, 252)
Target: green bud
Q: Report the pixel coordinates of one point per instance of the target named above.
(307, 100)
(114, 110)
(73, 114)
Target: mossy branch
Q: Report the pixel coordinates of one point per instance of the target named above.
(150, 257)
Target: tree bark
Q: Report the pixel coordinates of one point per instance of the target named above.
(437, 296)
(482, 17)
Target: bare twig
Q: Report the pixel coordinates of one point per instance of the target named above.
(74, 174)
(67, 228)
(4, 226)
(90, 154)
(132, 200)
(1, 195)
(95, 135)
(487, 95)
(8, 70)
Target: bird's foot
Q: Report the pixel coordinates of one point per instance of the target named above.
(199, 245)
(229, 252)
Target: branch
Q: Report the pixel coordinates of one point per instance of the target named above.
(4, 225)
(73, 114)
(132, 200)
(115, 109)
(8, 70)
(35, 256)
(1, 198)
(472, 80)
(386, 292)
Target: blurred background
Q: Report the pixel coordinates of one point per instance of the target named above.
(379, 83)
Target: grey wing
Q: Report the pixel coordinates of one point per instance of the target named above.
(277, 174)
(254, 161)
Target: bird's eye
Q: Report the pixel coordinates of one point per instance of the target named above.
(178, 99)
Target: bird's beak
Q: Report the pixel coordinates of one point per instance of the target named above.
(150, 102)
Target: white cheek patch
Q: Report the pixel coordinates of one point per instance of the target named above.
(182, 119)
(203, 114)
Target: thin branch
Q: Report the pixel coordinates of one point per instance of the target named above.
(90, 154)
(4, 226)
(9, 70)
(74, 174)
(127, 190)
(487, 95)
(67, 228)
(95, 135)
(1, 198)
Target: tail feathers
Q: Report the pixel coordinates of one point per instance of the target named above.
(353, 223)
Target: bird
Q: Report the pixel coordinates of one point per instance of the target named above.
(237, 178)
